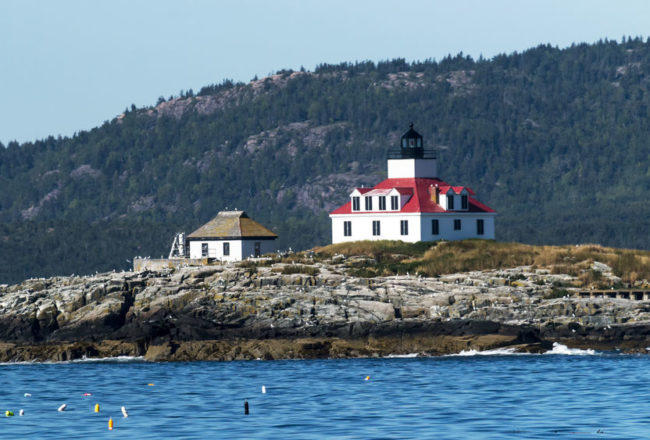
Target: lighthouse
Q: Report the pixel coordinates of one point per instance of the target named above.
(413, 204)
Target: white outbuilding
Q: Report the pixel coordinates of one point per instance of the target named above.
(413, 204)
(231, 236)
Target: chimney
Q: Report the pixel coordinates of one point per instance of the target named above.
(434, 192)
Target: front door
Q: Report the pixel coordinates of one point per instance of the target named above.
(258, 249)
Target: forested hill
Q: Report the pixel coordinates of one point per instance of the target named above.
(557, 141)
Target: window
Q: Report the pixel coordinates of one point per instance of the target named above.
(258, 248)
(479, 226)
(368, 203)
(382, 203)
(347, 229)
(204, 249)
(226, 249)
(450, 202)
(376, 228)
(394, 203)
(435, 227)
(463, 202)
(355, 204)
(457, 224)
(404, 227)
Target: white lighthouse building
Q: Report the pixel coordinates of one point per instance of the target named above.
(413, 204)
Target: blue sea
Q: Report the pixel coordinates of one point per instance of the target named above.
(495, 395)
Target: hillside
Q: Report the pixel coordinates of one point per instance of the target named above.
(554, 140)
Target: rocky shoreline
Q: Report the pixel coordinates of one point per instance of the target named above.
(228, 312)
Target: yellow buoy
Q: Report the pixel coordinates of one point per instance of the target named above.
(97, 407)
(9, 413)
(110, 424)
(150, 384)
(367, 378)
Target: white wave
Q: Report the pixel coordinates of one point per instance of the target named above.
(493, 352)
(409, 355)
(83, 359)
(111, 359)
(563, 349)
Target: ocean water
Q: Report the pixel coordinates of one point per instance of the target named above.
(493, 395)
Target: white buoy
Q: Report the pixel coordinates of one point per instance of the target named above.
(124, 413)
(21, 412)
(62, 407)
(28, 395)
(263, 389)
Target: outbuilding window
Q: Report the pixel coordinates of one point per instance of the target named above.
(226, 249)
(204, 249)
(479, 226)
(457, 224)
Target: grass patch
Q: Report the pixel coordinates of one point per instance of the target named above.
(438, 258)
(299, 268)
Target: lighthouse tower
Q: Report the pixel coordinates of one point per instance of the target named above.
(411, 159)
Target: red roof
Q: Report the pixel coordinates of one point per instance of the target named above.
(420, 200)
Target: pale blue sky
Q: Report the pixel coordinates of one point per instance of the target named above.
(68, 65)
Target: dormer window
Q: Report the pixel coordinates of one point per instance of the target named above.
(394, 203)
(382, 203)
(450, 202)
(368, 203)
(463, 202)
(356, 204)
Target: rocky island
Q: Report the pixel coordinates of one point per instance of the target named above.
(327, 304)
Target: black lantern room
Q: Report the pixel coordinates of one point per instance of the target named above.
(411, 139)
(411, 147)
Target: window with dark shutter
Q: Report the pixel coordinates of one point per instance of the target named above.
(479, 226)
(394, 203)
(435, 227)
(382, 203)
(404, 227)
(376, 228)
(347, 229)
(356, 205)
(457, 224)
(450, 203)
(368, 203)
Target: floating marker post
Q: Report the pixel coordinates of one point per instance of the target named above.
(124, 413)
(246, 407)
(21, 413)
(110, 424)
(28, 395)
(263, 389)
(97, 407)
(62, 407)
